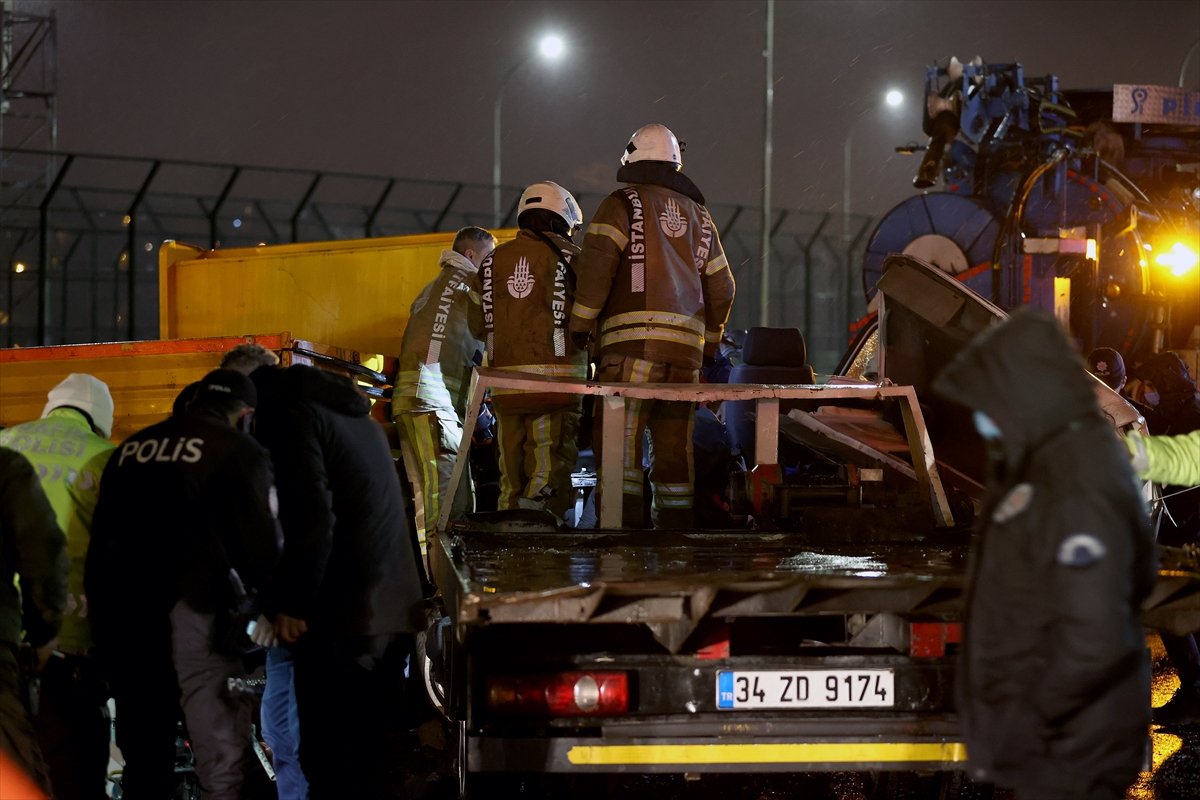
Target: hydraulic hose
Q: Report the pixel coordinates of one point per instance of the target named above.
(1012, 221)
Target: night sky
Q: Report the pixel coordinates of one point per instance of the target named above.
(406, 88)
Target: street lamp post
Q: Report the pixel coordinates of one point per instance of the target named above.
(551, 48)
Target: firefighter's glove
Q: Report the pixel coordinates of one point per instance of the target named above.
(710, 355)
(582, 339)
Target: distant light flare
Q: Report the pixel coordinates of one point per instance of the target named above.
(894, 98)
(552, 47)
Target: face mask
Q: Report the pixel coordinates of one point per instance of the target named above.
(986, 427)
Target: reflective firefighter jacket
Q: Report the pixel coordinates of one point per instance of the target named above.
(438, 349)
(69, 458)
(527, 289)
(653, 277)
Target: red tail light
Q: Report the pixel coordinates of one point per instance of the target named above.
(564, 694)
(929, 639)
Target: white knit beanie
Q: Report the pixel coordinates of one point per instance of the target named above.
(87, 393)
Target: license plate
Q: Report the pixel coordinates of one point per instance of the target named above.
(806, 688)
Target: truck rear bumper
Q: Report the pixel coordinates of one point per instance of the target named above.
(815, 746)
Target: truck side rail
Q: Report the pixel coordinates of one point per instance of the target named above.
(766, 396)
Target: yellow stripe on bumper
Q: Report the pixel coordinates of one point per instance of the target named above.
(809, 753)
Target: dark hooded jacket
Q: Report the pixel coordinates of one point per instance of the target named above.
(1053, 682)
(32, 546)
(348, 567)
(1178, 409)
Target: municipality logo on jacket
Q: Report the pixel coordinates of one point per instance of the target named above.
(520, 283)
(672, 222)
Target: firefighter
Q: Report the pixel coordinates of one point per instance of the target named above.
(655, 286)
(527, 286)
(437, 354)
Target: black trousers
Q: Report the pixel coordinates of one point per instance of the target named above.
(161, 675)
(73, 727)
(349, 696)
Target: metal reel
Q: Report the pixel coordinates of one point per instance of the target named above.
(949, 231)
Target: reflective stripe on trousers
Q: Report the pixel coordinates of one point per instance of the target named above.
(537, 456)
(672, 475)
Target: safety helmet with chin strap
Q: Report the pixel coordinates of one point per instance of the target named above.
(653, 142)
(554, 198)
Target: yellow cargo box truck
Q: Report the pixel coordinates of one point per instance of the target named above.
(353, 295)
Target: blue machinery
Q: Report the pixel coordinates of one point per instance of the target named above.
(1051, 199)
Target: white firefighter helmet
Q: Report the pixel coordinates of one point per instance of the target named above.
(653, 143)
(552, 197)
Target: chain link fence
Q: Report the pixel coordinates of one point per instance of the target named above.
(79, 238)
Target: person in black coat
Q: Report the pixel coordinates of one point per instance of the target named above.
(33, 547)
(1054, 681)
(346, 595)
(192, 496)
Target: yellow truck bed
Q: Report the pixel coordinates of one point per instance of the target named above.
(354, 293)
(144, 377)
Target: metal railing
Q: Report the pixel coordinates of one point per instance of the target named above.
(79, 245)
(611, 411)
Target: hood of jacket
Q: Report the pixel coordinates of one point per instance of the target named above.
(1175, 384)
(452, 259)
(334, 392)
(1026, 376)
(660, 174)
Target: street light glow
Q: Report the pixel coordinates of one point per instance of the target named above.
(552, 46)
(894, 98)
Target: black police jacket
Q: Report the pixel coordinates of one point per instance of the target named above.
(181, 503)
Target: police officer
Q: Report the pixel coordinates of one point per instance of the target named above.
(69, 447)
(655, 287)
(192, 496)
(527, 290)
